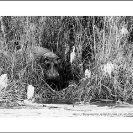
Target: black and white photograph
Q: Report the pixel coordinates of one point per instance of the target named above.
(66, 65)
(76, 65)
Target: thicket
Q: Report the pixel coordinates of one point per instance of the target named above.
(98, 40)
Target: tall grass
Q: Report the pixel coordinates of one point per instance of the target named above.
(105, 43)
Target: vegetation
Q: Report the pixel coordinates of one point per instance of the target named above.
(98, 40)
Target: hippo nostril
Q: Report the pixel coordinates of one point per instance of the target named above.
(53, 75)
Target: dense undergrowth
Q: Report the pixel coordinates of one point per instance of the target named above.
(98, 40)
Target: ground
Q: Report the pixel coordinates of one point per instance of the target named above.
(64, 110)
